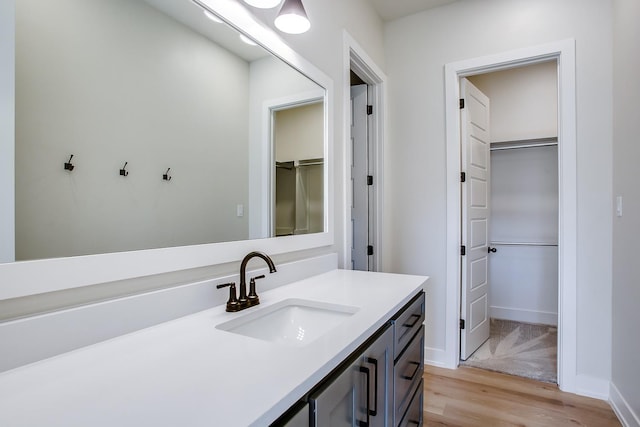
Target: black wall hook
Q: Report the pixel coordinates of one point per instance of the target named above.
(123, 171)
(69, 166)
(166, 176)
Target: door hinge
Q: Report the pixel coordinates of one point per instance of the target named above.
(369, 179)
(369, 110)
(463, 177)
(370, 250)
(461, 323)
(461, 103)
(463, 250)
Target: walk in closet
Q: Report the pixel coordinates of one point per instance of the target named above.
(523, 226)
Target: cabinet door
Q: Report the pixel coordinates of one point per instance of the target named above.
(300, 419)
(336, 404)
(378, 360)
(360, 396)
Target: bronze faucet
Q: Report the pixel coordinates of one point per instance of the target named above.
(244, 300)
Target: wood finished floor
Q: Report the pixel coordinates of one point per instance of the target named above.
(469, 397)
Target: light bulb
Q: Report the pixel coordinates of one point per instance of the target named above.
(292, 18)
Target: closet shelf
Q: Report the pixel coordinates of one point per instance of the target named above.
(524, 143)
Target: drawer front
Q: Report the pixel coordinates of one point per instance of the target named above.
(413, 417)
(408, 372)
(407, 323)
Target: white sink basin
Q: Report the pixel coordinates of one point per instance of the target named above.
(292, 321)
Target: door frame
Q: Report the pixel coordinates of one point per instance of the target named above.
(355, 58)
(563, 52)
(261, 225)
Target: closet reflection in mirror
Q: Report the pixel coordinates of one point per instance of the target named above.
(299, 165)
(157, 85)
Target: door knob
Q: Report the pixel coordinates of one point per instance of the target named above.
(490, 249)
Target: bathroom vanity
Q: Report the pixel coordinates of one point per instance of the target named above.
(356, 331)
(379, 385)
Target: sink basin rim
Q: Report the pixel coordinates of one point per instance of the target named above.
(342, 312)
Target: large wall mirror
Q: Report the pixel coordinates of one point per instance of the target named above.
(149, 129)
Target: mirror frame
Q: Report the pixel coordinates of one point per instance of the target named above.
(24, 278)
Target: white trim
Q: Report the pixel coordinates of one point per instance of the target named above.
(435, 357)
(564, 52)
(7, 131)
(524, 315)
(267, 172)
(33, 277)
(586, 385)
(355, 57)
(621, 407)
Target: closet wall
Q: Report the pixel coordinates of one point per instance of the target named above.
(524, 192)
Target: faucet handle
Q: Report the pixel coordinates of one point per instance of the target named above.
(232, 303)
(253, 296)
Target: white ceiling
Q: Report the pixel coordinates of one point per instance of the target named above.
(394, 9)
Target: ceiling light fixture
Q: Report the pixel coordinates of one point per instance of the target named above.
(263, 4)
(247, 40)
(211, 16)
(292, 18)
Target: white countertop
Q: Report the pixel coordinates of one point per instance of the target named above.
(188, 373)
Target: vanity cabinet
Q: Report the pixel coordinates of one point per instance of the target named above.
(379, 385)
(408, 364)
(357, 396)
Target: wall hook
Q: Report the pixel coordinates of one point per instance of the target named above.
(123, 171)
(69, 166)
(166, 176)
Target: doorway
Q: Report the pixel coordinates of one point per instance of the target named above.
(362, 176)
(564, 53)
(519, 334)
(364, 183)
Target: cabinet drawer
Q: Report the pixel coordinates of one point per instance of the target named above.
(407, 323)
(413, 417)
(407, 373)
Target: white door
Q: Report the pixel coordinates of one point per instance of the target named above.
(475, 142)
(359, 172)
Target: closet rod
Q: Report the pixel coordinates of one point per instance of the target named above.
(299, 165)
(308, 162)
(523, 244)
(515, 147)
(524, 143)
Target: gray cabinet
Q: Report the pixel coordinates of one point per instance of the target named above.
(359, 394)
(408, 364)
(379, 385)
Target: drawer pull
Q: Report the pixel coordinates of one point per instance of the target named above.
(413, 423)
(374, 362)
(415, 317)
(365, 371)
(415, 371)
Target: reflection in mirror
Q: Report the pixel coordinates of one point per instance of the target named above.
(299, 164)
(157, 86)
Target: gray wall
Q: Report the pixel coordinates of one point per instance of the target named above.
(417, 49)
(114, 82)
(626, 152)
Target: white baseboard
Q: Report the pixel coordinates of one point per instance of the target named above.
(436, 357)
(586, 385)
(526, 316)
(621, 407)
